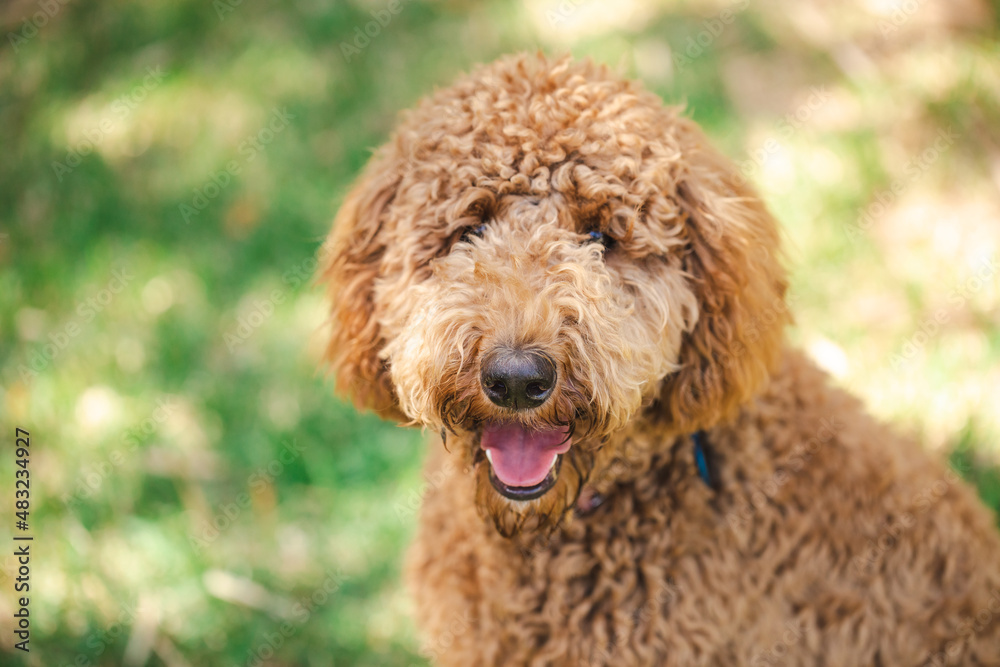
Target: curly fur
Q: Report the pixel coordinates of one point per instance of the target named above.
(677, 327)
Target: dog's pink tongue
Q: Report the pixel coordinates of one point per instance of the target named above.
(521, 457)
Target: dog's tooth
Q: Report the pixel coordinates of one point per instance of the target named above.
(555, 457)
(489, 456)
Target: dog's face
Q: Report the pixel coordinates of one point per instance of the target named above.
(542, 254)
(534, 334)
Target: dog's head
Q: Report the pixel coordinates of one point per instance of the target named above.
(540, 255)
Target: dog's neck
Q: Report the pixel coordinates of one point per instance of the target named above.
(591, 497)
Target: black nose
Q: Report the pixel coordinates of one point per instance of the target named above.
(517, 379)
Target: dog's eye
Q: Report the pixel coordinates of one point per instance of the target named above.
(600, 237)
(476, 231)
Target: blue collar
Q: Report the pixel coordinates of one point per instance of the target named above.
(701, 459)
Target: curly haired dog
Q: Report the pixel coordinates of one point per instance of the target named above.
(560, 276)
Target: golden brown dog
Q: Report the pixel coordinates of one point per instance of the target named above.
(560, 276)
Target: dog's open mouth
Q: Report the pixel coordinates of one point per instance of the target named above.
(524, 463)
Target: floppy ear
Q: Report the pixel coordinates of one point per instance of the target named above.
(733, 261)
(351, 260)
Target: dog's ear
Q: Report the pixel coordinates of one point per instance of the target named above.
(351, 260)
(733, 262)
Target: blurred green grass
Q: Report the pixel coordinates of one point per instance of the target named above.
(194, 477)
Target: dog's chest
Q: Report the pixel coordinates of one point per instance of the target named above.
(607, 588)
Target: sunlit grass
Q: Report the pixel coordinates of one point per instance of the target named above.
(173, 522)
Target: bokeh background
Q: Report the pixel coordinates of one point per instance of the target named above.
(168, 170)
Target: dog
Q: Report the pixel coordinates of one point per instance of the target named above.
(584, 302)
